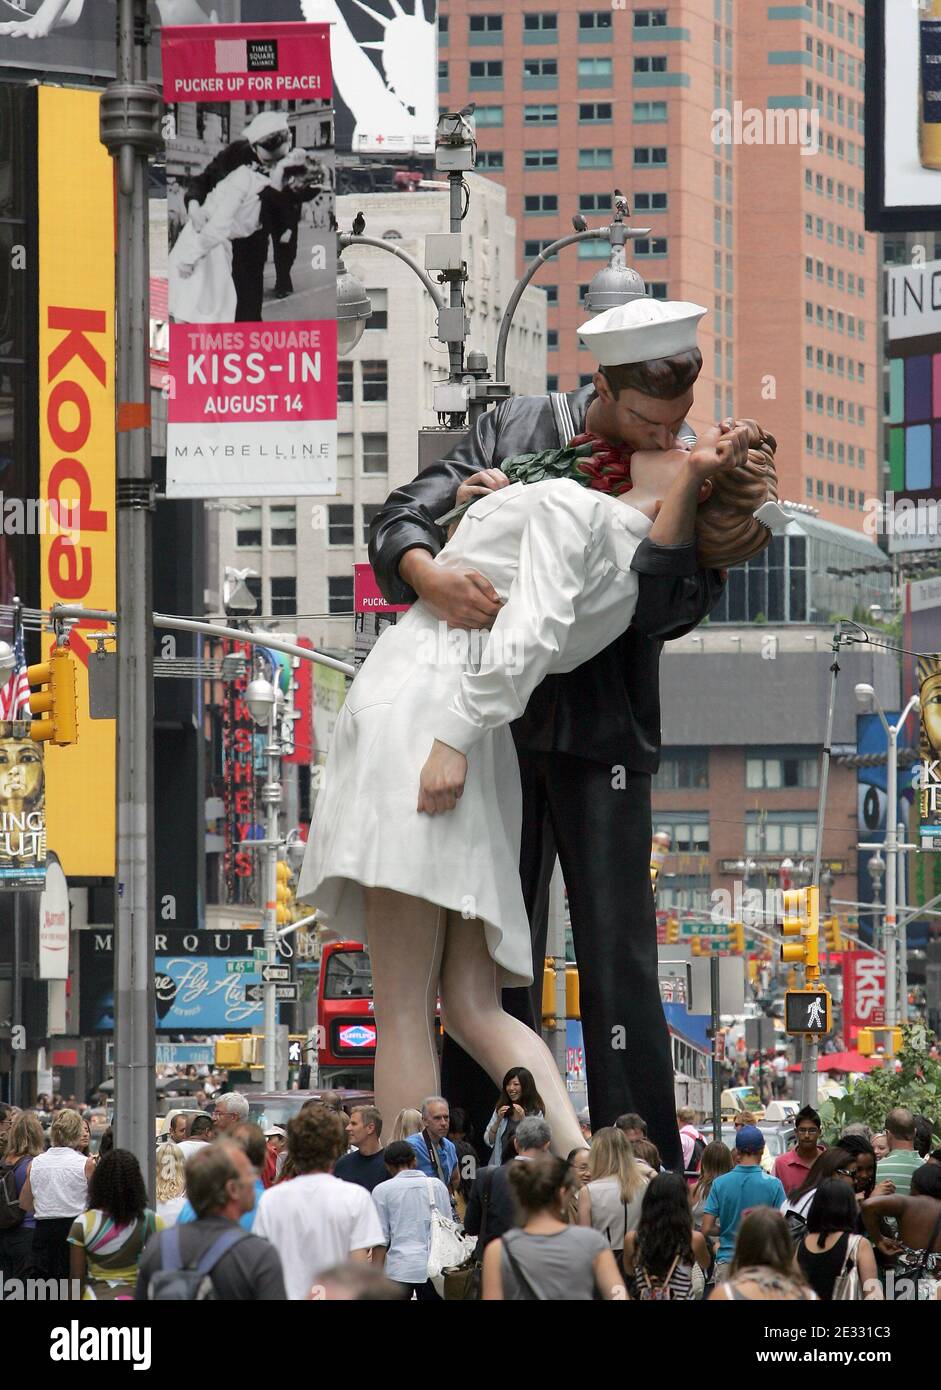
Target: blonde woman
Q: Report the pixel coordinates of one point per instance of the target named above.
(171, 1182)
(612, 1198)
(24, 1142)
(406, 1122)
(56, 1191)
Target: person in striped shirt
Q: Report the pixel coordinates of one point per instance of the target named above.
(902, 1159)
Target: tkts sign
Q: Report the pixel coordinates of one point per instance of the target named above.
(863, 993)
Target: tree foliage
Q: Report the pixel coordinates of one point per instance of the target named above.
(915, 1085)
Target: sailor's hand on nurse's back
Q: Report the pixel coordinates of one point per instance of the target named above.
(479, 484)
(441, 784)
(461, 598)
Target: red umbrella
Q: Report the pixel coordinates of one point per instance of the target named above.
(843, 1061)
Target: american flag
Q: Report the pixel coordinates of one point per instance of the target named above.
(15, 694)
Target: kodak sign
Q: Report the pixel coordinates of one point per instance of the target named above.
(77, 447)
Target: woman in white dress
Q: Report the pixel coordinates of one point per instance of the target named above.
(415, 838)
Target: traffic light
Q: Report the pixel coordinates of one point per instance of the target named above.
(695, 946)
(573, 1008)
(57, 705)
(868, 1040)
(284, 895)
(737, 938)
(548, 995)
(832, 934)
(673, 931)
(802, 923)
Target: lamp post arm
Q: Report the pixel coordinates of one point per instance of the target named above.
(591, 233)
(345, 239)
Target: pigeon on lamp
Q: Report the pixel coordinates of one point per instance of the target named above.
(469, 109)
(580, 223)
(621, 206)
(359, 224)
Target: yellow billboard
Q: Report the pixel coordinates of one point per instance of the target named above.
(77, 447)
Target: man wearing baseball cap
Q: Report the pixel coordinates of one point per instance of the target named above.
(737, 1192)
(589, 741)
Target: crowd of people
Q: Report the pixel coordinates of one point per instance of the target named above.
(330, 1207)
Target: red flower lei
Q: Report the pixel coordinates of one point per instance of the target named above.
(609, 467)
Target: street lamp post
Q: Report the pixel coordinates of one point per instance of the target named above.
(876, 867)
(867, 699)
(261, 699)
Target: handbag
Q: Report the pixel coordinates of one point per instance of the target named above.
(449, 1245)
(462, 1283)
(847, 1288)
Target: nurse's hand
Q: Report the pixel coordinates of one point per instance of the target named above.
(441, 784)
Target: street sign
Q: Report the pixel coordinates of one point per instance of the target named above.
(287, 994)
(280, 973)
(704, 929)
(175, 1054)
(260, 953)
(240, 967)
(254, 994)
(807, 1011)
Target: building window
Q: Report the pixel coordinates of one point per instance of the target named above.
(650, 111)
(534, 247)
(282, 524)
(443, 78)
(689, 830)
(544, 23)
(284, 594)
(779, 769)
(682, 767)
(345, 383)
(650, 246)
(552, 294)
(490, 159)
(375, 381)
(595, 24)
(340, 593)
(595, 72)
(650, 19)
(379, 318)
(780, 832)
(596, 158)
(594, 112)
(488, 115)
(594, 202)
(534, 203)
(540, 159)
(490, 25)
(586, 378)
(684, 893)
(540, 115)
(486, 74)
(593, 248)
(540, 72)
(657, 289)
(375, 453)
(650, 64)
(370, 511)
(654, 202)
(649, 155)
(552, 340)
(340, 524)
(248, 529)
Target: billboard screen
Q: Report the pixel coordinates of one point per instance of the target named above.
(910, 518)
(903, 115)
(385, 69)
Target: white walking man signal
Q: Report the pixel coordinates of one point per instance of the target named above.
(815, 1017)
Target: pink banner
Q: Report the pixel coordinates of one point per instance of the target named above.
(242, 62)
(367, 596)
(251, 285)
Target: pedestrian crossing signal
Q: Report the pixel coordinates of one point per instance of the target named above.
(808, 1011)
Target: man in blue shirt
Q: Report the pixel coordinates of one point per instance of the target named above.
(249, 1138)
(735, 1193)
(435, 1154)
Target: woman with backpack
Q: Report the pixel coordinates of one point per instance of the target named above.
(838, 1264)
(665, 1259)
(611, 1199)
(24, 1142)
(547, 1260)
(832, 1163)
(108, 1239)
